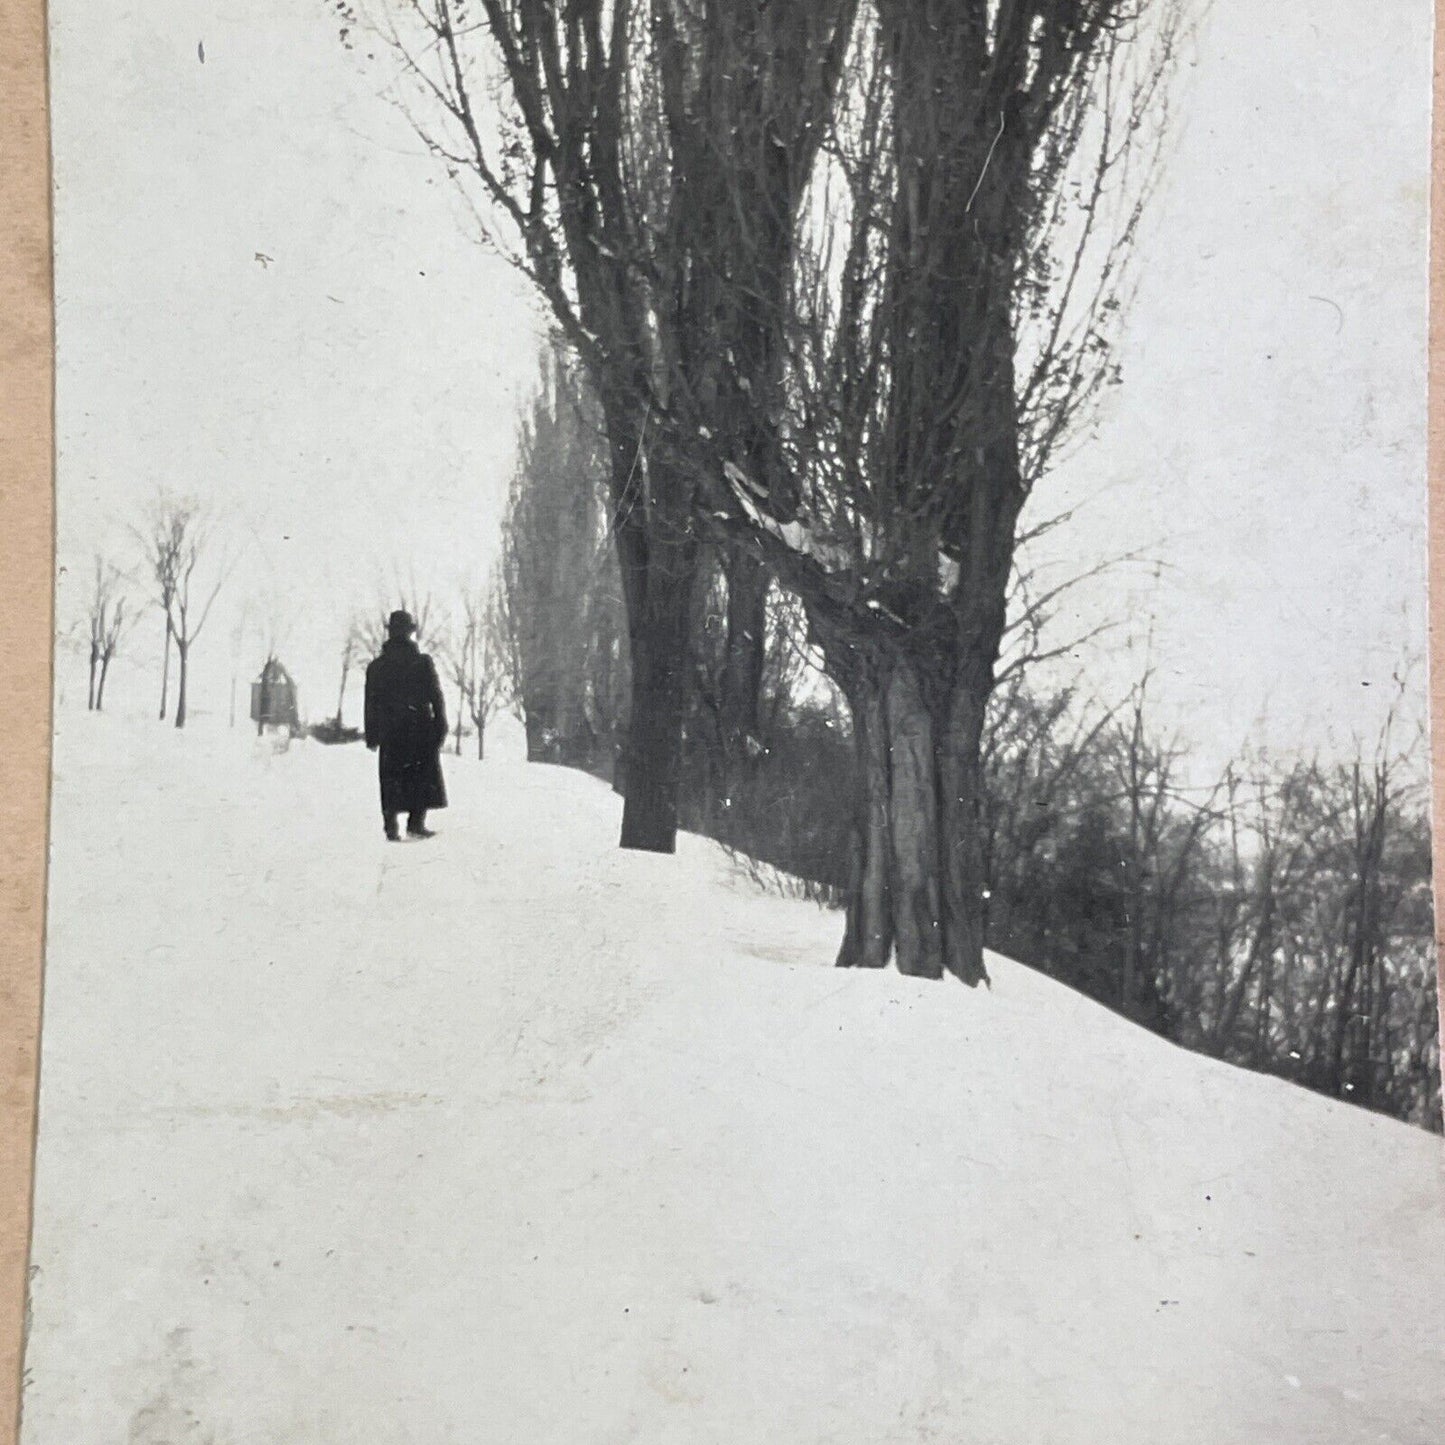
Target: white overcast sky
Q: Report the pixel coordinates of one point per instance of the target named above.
(349, 401)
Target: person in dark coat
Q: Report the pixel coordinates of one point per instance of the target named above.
(406, 724)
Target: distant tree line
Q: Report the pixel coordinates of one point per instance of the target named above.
(175, 565)
(1280, 919)
(178, 563)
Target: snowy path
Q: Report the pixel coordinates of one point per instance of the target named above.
(510, 1137)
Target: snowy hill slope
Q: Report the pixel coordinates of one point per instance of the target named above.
(511, 1137)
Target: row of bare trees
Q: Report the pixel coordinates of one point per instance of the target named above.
(1280, 918)
(842, 275)
(477, 663)
(560, 597)
(179, 567)
(752, 777)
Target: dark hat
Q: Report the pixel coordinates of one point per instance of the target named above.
(401, 624)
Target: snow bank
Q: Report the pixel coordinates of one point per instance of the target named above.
(512, 1137)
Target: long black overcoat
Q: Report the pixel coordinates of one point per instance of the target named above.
(406, 720)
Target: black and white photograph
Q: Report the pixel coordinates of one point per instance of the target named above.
(741, 735)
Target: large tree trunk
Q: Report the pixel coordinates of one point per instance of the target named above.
(100, 682)
(659, 575)
(916, 852)
(868, 933)
(652, 756)
(960, 793)
(182, 670)
(916, 893)
(742, 674)
(90, 688)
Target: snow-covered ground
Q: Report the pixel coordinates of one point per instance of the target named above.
(511, 1137)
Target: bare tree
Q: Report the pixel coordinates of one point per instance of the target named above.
(161, 546)
(475, 659)
(954, 324)
(1280, 919)
(109, 622)
(352, 651)
(492, 691)
(179, 546)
